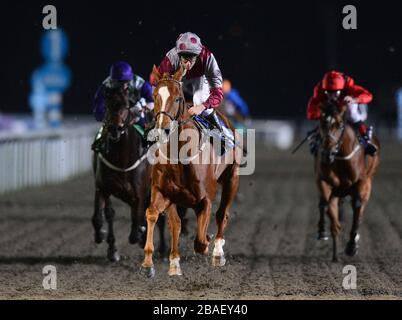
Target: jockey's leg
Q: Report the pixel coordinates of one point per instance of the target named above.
(213, 119)
(365, 134)
(357, 119)
(314, 141)
(226, 137)
(99, 140)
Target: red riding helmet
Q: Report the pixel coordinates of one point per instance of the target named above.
(333, 81)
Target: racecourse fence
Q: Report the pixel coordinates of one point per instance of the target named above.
(49, 156)
(53, 156)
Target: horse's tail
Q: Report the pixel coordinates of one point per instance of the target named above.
(374, 162)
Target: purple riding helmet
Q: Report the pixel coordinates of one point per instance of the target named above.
(121, 71)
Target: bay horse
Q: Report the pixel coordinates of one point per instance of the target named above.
(341, 169)
(121, 172)
(191, 185)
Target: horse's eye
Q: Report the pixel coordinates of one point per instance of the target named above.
(178, 99)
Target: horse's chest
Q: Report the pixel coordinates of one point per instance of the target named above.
(179, 189)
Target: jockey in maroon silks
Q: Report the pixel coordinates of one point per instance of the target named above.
(340, 89)
(140, 95)
(202, 82)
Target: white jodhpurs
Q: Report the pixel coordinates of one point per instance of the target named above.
(357, 112)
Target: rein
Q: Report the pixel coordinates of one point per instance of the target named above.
(113, 167)
(339, 143)
(122, 129)
(182, 105)
(175, 119)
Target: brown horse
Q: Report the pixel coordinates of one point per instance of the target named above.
(120, 172)
(192, 185)
(341, 169)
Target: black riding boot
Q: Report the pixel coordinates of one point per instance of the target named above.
(365, 138)
(99, 143)
(213, 119)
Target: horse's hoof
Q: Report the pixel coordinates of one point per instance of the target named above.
(148, 272)
(133, 238)
(175, 271)
(351, 250)
(218, 261)
(100, 236)
(322, 236)
(201, 248)
(113, 255)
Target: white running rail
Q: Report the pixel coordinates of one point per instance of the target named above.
(50, 156)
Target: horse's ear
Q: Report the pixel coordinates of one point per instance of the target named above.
(156, 75)
(179, 73)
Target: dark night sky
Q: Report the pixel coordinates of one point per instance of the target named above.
(273, 53)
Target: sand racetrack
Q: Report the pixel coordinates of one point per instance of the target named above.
(270, 242)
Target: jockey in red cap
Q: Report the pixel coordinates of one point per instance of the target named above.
(340, 89)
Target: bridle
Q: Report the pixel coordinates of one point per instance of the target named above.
(126, 123)
(175, 123)
(182, 103)
(122, 129)
(332, 152)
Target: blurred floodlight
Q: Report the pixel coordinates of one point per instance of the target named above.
(279, 134)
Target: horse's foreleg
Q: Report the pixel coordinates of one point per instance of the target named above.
(174, 223)
(335, 225)
(201, 241)
(229, 191)
(181, 211)
(135, 233)
(325, 192)
(162, 242)
(97, 218)
(359, 203)
(158, 204)
(112, 253)
(323, 208)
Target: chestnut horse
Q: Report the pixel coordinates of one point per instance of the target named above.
(122, 172)
(192, 185)
(341, 169)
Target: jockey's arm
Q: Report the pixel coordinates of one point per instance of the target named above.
(313, 107)
(361, 95)
(146, 93)
(214, 77)
(99, 108)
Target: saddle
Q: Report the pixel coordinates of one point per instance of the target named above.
(225, 136)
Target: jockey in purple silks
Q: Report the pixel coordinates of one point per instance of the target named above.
(140, 95)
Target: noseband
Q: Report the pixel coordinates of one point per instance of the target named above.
(180, 111)
(182, 105)
(126, 123)
(338, 140)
